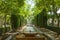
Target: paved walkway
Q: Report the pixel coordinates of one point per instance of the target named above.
(52, 35)
(0, 37)
(44, 33)
(49, 32)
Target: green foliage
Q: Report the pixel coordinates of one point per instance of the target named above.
(14, 21)
(19, 11)
(55, 29)
(20, 2)
(1, 31)
(11, 8)
(41, 18)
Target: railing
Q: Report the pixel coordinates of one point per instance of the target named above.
(31, 38)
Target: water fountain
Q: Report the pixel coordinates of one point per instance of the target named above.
(28, 31)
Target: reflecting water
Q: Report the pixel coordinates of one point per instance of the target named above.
(29, 29)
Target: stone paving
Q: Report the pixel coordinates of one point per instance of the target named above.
(0, 37)
(54, 34)
(46, 31)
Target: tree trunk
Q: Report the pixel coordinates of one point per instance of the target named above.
(53, 9)
(5, 22)
(58, 21)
